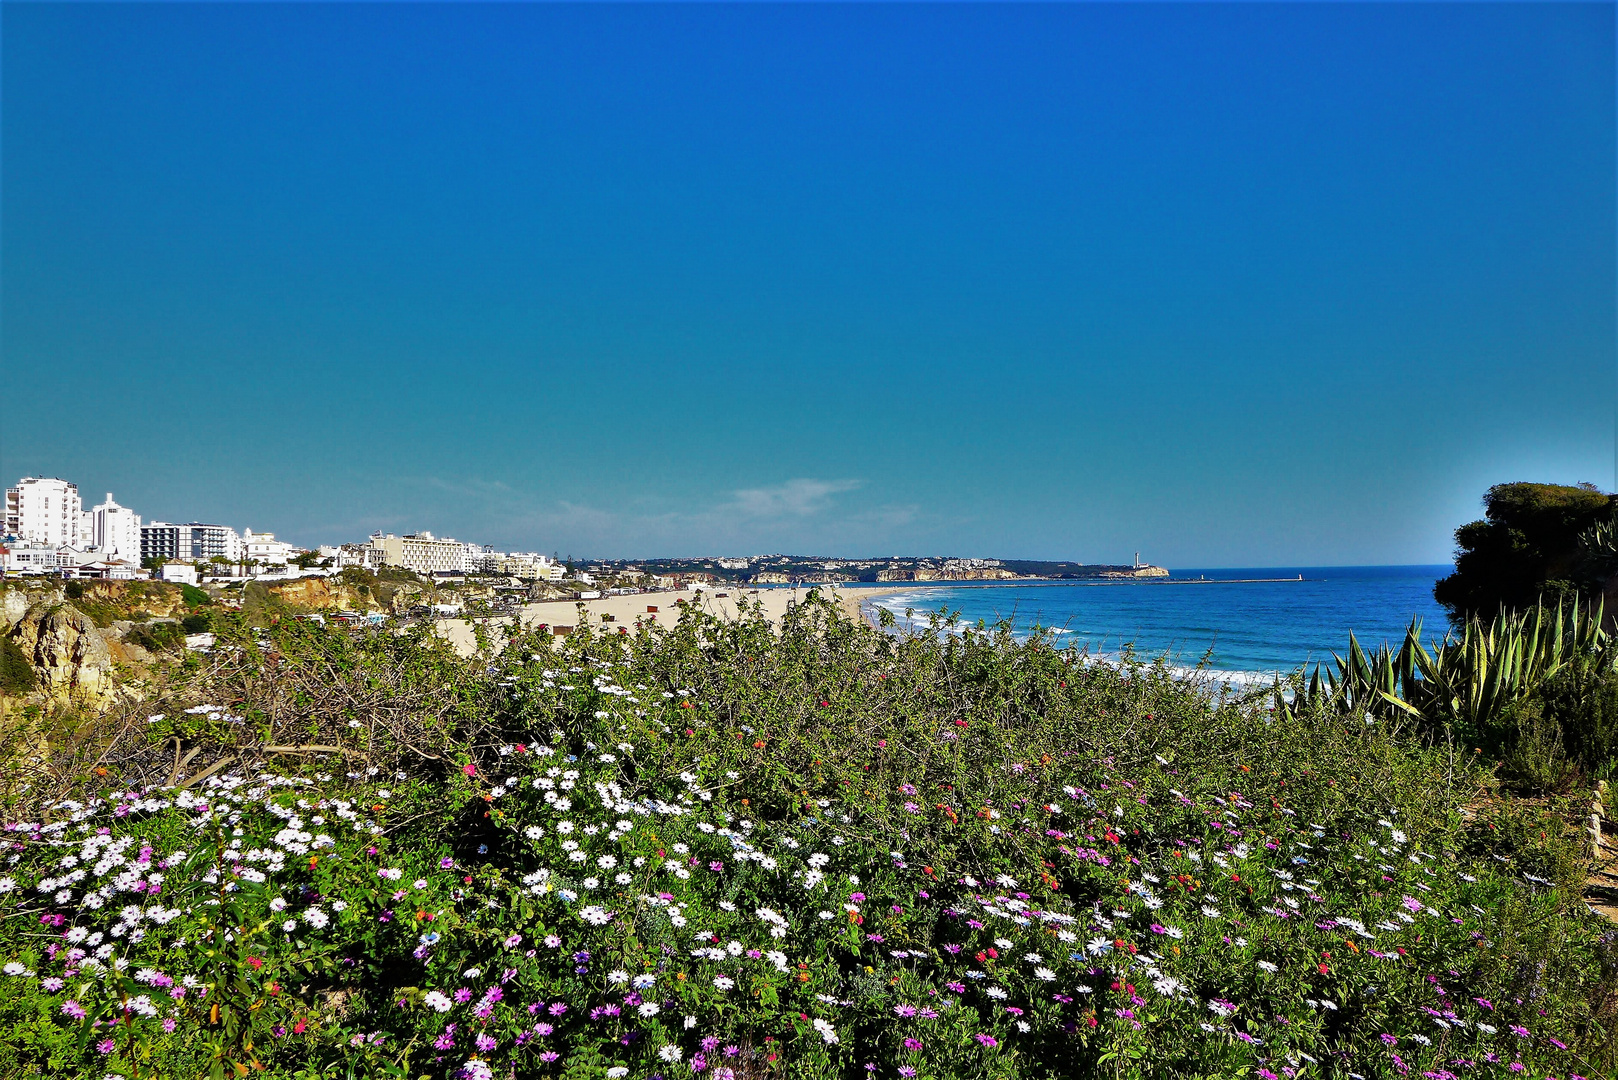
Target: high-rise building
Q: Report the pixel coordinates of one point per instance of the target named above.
(45, 511)
(193, 541)
(114, 531)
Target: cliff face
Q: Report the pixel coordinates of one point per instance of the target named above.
(327, 594)
(106, 601)
(66, 650)
(14, 604)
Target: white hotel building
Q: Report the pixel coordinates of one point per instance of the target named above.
(44, 511)
(422, 553)
(113, 531)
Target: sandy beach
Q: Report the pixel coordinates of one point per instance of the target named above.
(627, 611)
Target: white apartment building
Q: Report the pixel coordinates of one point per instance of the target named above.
(363, 556)
(530, 564)
(26, 558)
(422, 553)
(114, 531)
(264, 549)
(44, 511)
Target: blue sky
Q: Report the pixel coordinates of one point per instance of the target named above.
(1224, 284)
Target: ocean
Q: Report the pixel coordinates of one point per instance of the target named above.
(1249, 622)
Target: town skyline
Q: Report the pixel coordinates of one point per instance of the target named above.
(48, 527)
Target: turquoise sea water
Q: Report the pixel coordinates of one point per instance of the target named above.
(1244, 625)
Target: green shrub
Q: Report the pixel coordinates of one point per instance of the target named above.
(16, 673)
(194, 596)
(157, 636)
(197, 623)
(1584, 705)
(1531, 751)
(788, 852)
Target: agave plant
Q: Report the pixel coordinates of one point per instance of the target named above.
(1465, 683)
(1597, 559)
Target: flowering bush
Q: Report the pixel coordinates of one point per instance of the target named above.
(938, 859)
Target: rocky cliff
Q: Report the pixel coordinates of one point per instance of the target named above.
(66, 649)
(331, 594)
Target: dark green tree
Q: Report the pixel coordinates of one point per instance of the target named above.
(1525, 549)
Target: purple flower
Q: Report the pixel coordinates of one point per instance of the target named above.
(549, 1055)
(987, 1040)
(73, 1009)
(912, 1044)
(105, 1046)
(543, 1030)
(710, 1044)
(557, 1009)
(463, 995)
(487, 1042)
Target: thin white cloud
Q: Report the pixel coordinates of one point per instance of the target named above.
(802, 497)
(802, 513)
